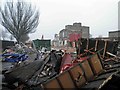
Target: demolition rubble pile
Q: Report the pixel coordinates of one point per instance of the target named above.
(96, 66)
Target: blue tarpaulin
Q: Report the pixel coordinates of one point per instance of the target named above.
(14, 57)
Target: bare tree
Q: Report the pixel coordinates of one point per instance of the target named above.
(24, 38)
(4, 34)
(11, 37)
(19, 18)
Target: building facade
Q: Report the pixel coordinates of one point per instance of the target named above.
(114, 35)
(70, 29)
(55, 42)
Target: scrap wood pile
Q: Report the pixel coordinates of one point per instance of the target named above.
(36, 72)
(88, 74)
(89, 67)
(89, 46)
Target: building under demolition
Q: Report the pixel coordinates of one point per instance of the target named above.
(76, 31)
(83, 31)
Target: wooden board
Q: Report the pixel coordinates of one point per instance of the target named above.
(65, 80)
(95, 64)
(51, 84)
(77, 75)
(87, 69)
(100, 45)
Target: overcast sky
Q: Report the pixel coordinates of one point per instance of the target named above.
(100, 15)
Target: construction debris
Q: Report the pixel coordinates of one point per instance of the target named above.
(96, 66)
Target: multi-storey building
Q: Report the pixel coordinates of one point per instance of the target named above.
(70, 29)
(114, 35)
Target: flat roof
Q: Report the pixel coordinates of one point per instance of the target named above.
(114, 31)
